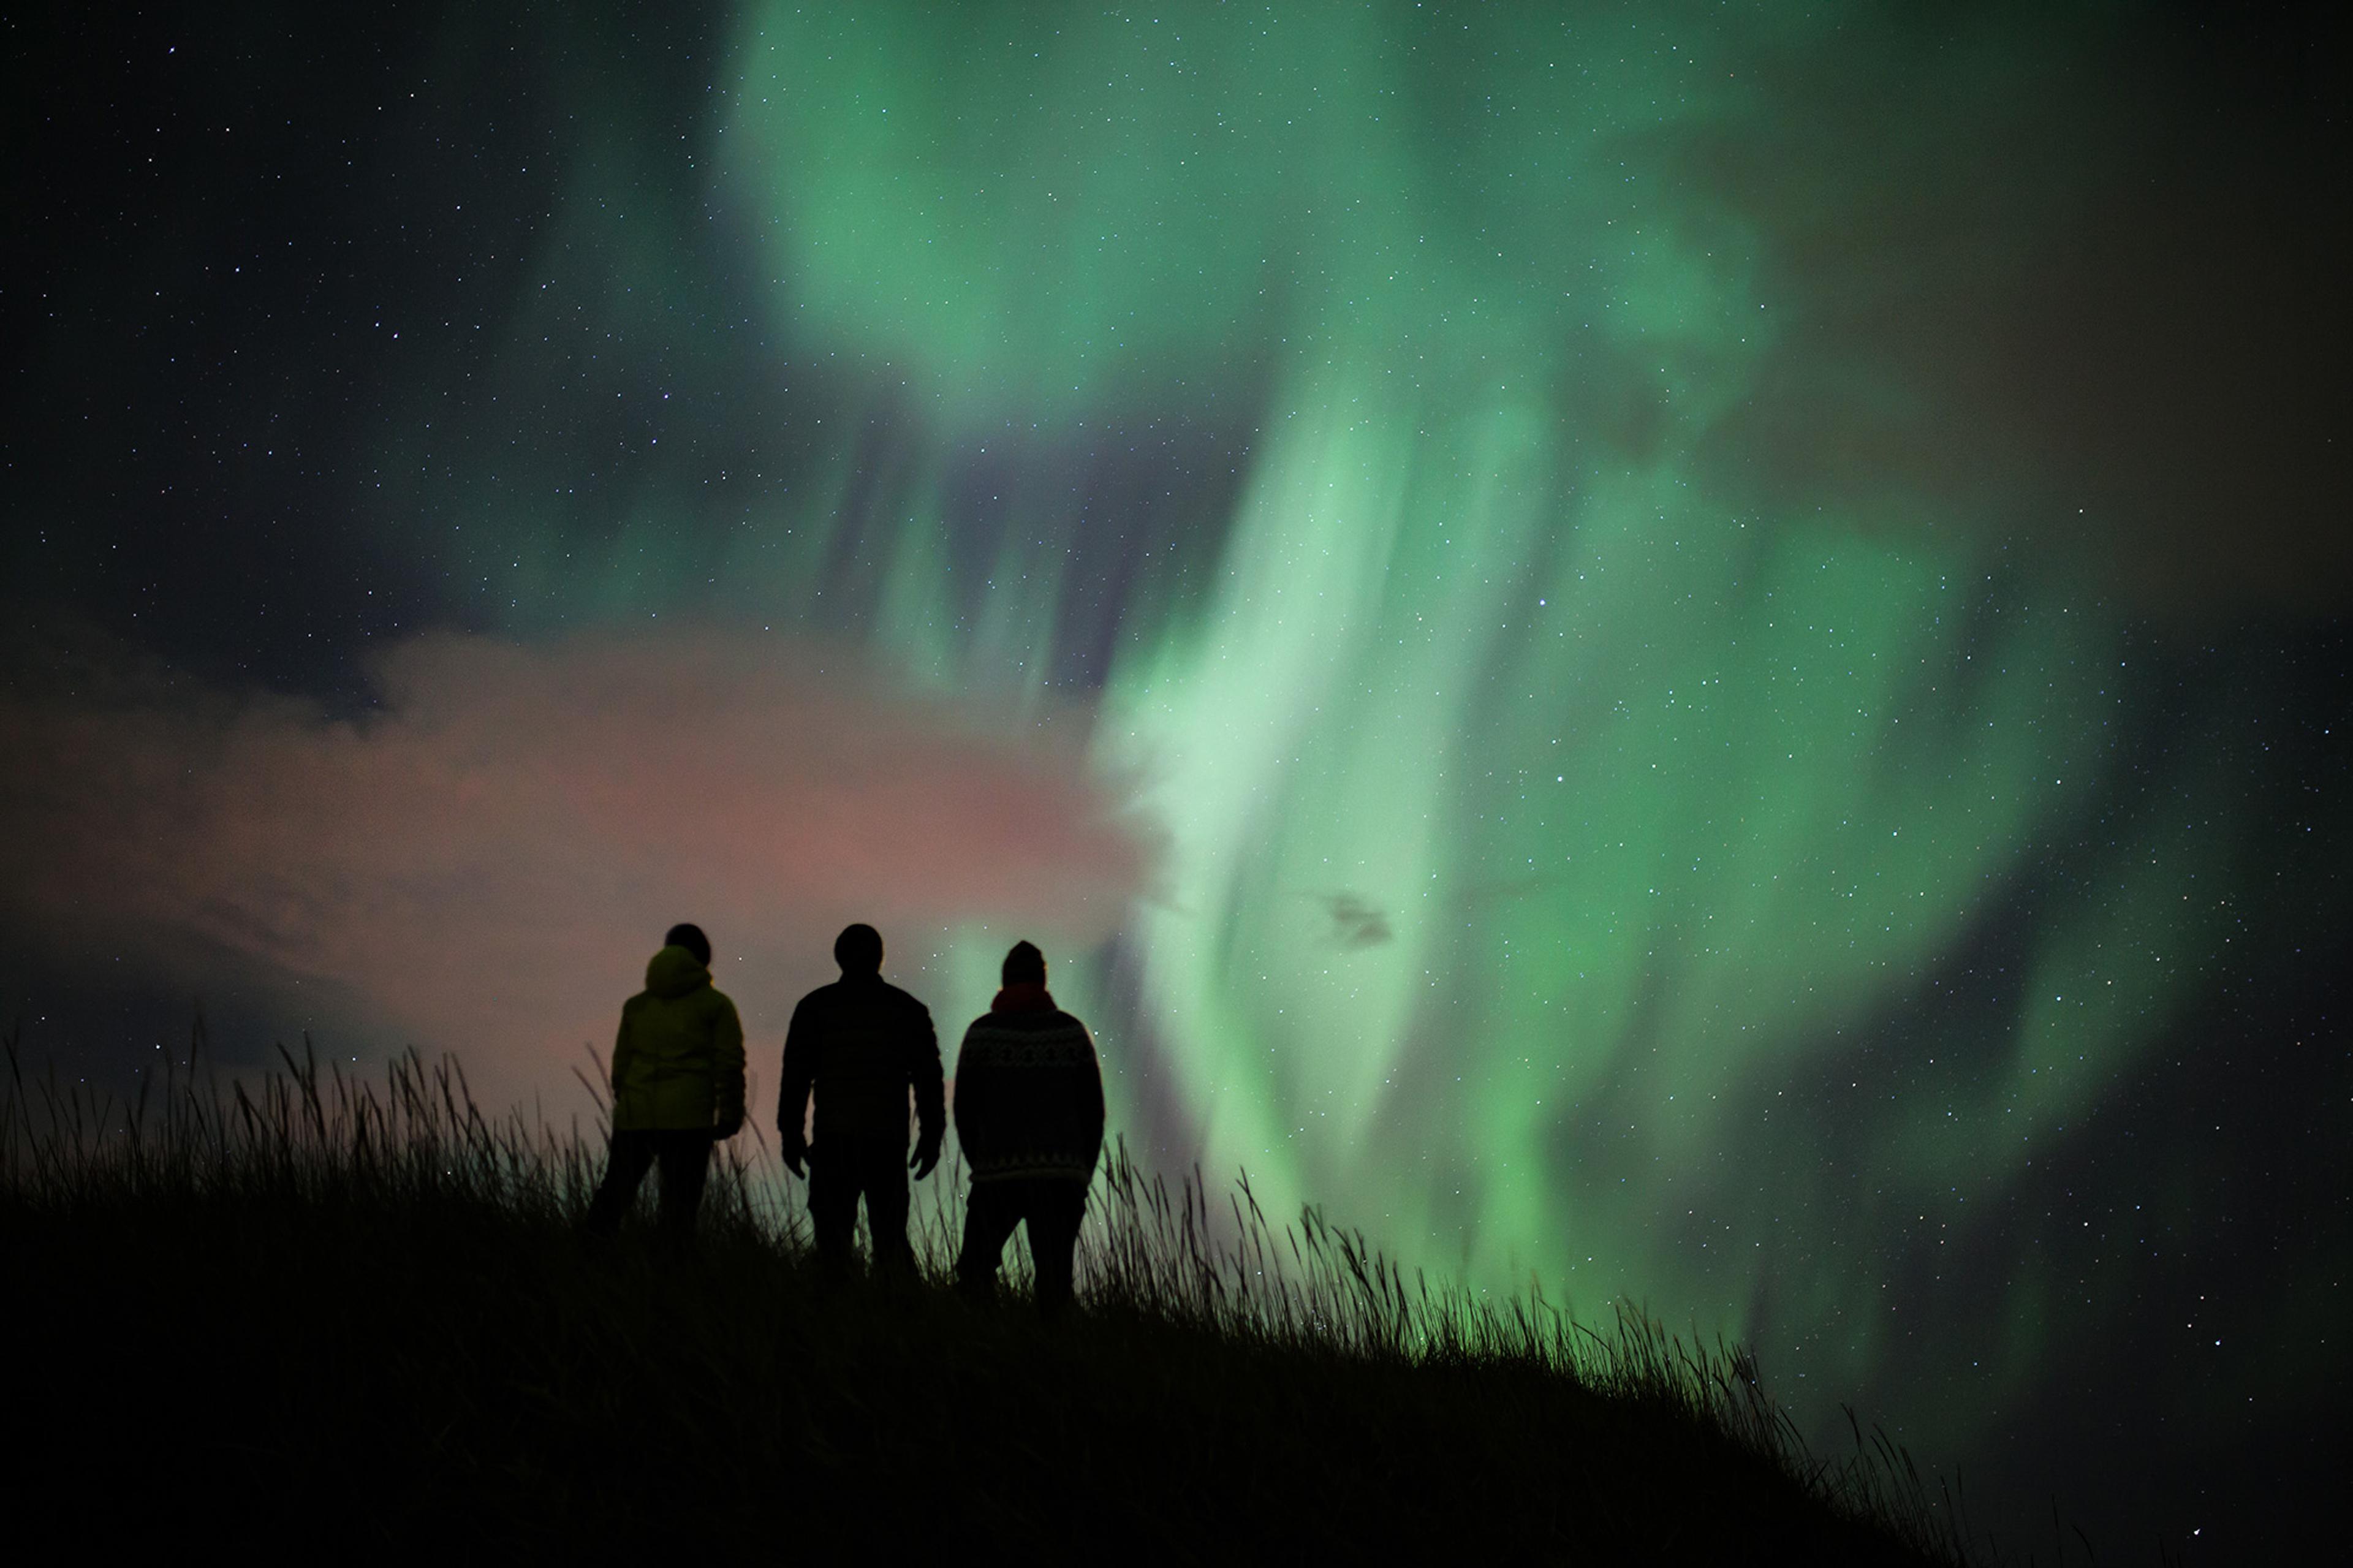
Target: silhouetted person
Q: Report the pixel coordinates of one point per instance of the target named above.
(678, 1086)
(1029, 1114)
(862, 1045)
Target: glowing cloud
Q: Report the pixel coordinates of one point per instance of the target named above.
(487, 861)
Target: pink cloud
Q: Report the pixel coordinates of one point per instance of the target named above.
(485, 864)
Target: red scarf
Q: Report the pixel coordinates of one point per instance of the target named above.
(1023, 997)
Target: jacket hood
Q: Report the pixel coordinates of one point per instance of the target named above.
(673, 971)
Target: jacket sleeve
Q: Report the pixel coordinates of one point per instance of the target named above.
(1090, 1091)
(624, 1056)
(931, 1094)
(799, 1072)
(971, 1094)
(727, 1062)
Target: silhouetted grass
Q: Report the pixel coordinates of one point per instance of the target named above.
(308, 1314)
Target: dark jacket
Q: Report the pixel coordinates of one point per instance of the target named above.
(678, 1061)
(861, 1044)
(1029, 1091)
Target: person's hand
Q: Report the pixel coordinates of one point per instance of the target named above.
(727, 1127)
(927, 1154)
(794, 1147)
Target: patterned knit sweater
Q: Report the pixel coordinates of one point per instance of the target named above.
(1029, 1091)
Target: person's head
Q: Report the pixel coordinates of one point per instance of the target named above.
(690, 938)
(1025, 965)
(858, 950)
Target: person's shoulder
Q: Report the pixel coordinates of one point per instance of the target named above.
(718, 998)
(1044, 1021)
(907, 999)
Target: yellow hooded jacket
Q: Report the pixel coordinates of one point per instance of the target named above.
(678, 1062)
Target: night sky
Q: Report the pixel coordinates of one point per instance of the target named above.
(1686, 653)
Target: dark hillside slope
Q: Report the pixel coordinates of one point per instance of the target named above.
(323, 1320)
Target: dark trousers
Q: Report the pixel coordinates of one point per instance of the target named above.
(1051, 1206)
(685, 1157)
(840, 1171)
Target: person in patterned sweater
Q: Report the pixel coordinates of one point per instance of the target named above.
(1029, 1114)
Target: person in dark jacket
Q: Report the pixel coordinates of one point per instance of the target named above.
(860, 1044)
(678, 1086)
(1029, 1114)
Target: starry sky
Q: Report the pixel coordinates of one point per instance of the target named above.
(1692, 653)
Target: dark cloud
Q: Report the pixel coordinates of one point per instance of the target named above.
(1354, 922)
(2077, 285)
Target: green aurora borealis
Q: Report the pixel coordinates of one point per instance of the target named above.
(1661, 796)
(1675, 774)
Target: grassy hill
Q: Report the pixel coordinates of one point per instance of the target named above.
(305, 1315)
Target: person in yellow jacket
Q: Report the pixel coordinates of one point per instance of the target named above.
(678, 1086)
